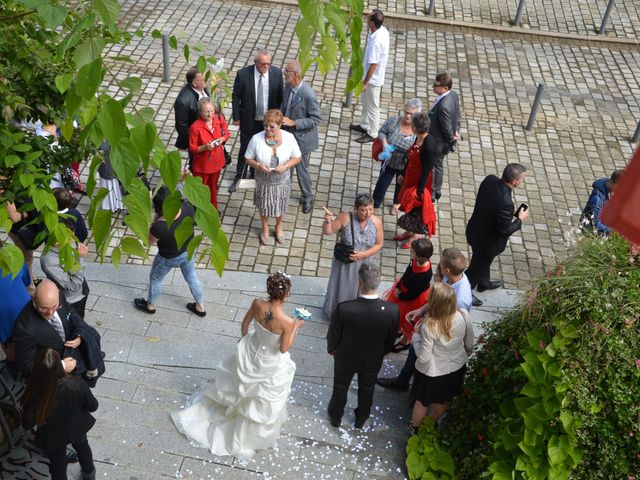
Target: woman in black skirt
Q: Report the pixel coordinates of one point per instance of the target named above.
(59, 405)
(445, 343)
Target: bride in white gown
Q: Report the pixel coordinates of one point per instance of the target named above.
(245, 408)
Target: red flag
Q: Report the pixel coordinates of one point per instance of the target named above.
(622, 211)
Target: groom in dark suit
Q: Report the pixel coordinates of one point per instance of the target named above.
(45, 323)
(362, 331)
(301, 117)
(444, 131)
(256, 89)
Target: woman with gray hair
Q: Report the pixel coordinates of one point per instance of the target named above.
(362, 230)
(396, 137)
(206, 138)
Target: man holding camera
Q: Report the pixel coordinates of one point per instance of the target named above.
(492, 223)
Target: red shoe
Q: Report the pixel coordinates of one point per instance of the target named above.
(403, 236)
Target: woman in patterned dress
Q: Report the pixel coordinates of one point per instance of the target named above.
(369, 237)
(272, 154)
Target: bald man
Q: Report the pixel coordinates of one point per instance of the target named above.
(45, 323)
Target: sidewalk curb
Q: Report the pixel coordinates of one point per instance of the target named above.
(595, 40)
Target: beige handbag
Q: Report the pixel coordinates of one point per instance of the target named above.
(246, 183)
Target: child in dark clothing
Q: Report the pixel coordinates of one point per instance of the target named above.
(412, 290)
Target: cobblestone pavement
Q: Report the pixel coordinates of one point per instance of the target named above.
(582, 17)
(590, 108)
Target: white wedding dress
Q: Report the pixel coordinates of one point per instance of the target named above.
(245, 408)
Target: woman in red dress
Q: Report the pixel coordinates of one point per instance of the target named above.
(415, 194)
(206, 138)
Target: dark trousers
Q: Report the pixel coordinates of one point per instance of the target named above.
(341, 380)
(245, 138)
(58, 460)
(409, 367)
(479, 269)
(384, 180)
(436, 152)
(80, 306)
(304, 178)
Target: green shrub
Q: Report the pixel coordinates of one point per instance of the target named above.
(555, 390)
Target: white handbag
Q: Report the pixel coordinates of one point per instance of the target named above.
(246, 183)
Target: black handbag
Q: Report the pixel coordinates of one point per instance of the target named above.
(343, 251)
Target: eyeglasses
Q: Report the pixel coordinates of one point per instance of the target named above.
(408, 113)
(269, 126)
(263, 64)
(436, 85)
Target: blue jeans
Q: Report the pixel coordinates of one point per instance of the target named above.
(384, 180)
(409, 366)
(162, 266)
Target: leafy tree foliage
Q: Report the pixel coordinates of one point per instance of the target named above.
(53, 68)
(328, 30)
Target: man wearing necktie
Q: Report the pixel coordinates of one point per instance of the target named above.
(301, 117)
(444, 132)
(44, 323)
(256, 89)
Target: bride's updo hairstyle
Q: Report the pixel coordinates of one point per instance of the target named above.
(278, 286)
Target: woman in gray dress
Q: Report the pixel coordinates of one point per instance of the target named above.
(396, 137)
(272, 153)
(369, 237)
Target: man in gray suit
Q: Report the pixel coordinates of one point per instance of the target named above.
(302, 117)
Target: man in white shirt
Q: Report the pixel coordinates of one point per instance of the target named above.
(376, 54)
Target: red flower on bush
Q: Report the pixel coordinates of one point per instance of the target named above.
(635, 250)
(480, 437)
(638, 363)
(541, 345)
(485, 371)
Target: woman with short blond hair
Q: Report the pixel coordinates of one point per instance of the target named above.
(272, 153)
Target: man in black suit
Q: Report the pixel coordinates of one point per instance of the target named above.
(45, 323)
(445, 127)
(492, 223)
(362, 331)
(186, 107)
(256, 89)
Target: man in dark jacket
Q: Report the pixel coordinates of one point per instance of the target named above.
(46, 323)
(256, 89)
(492, 223)
(362, 331)
(444, 132)
(602, 190)
(186, 106)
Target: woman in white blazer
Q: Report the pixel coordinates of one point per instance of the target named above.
(443, 346)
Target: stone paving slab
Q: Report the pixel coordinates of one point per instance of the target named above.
(154, 367)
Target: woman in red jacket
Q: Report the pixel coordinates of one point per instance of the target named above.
(415, 194)
(206, 138)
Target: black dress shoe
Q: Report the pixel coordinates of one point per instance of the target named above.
(71, 456)
(335, 422)
(234, 186)
(392, 384)
(357, 128)
(307, 206)
(359, 423)
(365, 138)
(492, 285)
(475, 301)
